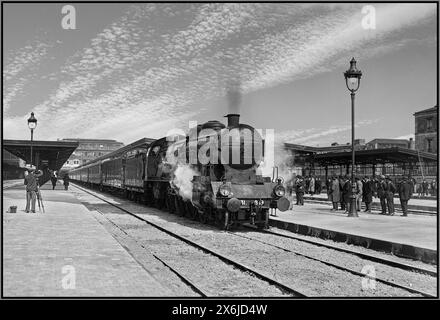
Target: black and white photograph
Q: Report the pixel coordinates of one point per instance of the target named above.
(200, 152)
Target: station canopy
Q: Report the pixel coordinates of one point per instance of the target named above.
(45, 154)
(374, 156)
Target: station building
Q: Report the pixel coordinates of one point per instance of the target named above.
(88, 150)
(426, 129)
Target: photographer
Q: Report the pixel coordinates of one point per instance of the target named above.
(31, 182)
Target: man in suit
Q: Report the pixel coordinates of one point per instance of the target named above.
(358, 193)
(341, 186)
(405, 193)
(346, 193)
(299, 188)
(381, 194)
(390, 189)
(335, 193)
(367, 193)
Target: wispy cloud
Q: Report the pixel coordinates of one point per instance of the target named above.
(322, 136)
(145, 71)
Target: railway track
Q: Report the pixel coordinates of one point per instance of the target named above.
(294, 292)
(395, 264)
(386, 282)
(268, 279)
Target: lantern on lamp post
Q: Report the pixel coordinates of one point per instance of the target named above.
(32, 124)
(352, 80)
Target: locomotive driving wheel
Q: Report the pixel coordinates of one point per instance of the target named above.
(170, 203)
(191, 210)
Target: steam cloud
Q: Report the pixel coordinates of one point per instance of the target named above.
(183, 176)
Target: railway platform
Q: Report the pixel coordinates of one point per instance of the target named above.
(66, 252)
(414, 236)
(421, 206)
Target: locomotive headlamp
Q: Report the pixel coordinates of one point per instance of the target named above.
(279, 191)
(224, 190)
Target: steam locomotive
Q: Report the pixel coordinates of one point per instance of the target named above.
(209, 174)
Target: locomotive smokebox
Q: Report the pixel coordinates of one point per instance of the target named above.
(233, 119)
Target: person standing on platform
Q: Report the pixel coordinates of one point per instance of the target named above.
(390, 189)
(405, 193)
(306, 184)
(31, 182)
(380, 187)
(367, 193)
(328, 187)
(318, 186)
(346, 193)
(312, 185)
(341, 186)
(434, 188)
(358, 193)
(53, 179)
(424, 188)
(66, 180)
(335, 193)
(300, 191)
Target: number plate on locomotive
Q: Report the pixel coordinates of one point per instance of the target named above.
(254, 202)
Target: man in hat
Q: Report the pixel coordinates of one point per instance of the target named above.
(390, 189)
(334, 193)
(381, 193)
(359, 190)
(405, 193)
(299, 188)
(31, 182)
(341, 181)
(367, 193)
(346, 193)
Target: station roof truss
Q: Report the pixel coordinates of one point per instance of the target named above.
(393, 155)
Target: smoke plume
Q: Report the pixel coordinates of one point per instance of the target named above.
(233, 95)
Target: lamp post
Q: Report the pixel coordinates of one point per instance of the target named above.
(32, 124)
(352, 80)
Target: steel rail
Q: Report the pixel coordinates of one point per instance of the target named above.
(222, 257)
(386, 282)
(180, 276)
(365, 256)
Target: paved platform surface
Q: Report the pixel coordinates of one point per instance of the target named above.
(415, 230)
(12, 183)
(42, 252)
(414, 203)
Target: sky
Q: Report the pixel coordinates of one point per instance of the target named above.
(130, 71)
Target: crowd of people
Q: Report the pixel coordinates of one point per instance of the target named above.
(425, 188)
(339, 191)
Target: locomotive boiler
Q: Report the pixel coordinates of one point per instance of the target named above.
(223, 185)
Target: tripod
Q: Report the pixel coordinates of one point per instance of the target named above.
(40, 200)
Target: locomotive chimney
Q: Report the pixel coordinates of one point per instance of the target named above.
(233, 119)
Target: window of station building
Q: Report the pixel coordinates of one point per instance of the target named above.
(429, 145)
(75, 161)
(429, 123)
